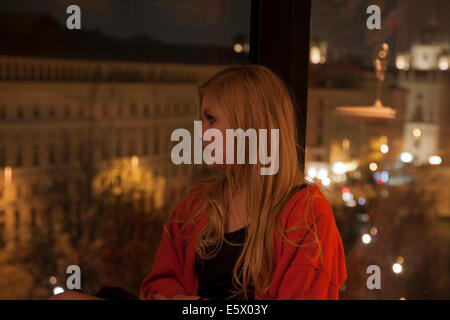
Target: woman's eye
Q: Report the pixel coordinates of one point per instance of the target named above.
(210, 118)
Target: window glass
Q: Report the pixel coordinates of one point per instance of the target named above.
(377, 141)
(86, 116)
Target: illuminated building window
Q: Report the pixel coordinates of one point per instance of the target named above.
(19, 157)
(156, 142)
(133, 110)
(36, 112)
(52, 111)
(105, 110)
(3, 112)
(51, 154)
(119, 148)
(2, 157)
(66, 153)
(20, 112)
(132, 148)
(35, 155)
(104, 151)
(80, 152)
(33, 220)
(34, 189)
(176, 108)
(186, 109)
(146, 111)
(145, 146)
(17, 226)
(66, 111)
(2, 235)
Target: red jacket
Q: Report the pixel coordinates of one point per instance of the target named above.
(295, 275)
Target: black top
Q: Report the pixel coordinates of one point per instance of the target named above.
(215, 275)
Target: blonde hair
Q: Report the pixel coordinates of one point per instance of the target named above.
(251, 96)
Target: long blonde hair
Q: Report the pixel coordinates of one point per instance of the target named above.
(251, 96)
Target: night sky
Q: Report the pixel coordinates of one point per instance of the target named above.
(199, 22)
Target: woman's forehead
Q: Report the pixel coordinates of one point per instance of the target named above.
(208, 103)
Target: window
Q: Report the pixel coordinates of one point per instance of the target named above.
(105, 152)
(33, 221)
(20, 112)
(36, 112)
(81, 152)
(66, 152)
(156, 139)
(51, 154)
(3, 157)
(146, 111)
(122, 82)
(67, 111)
(119, 147)
(3, 112)
(17, 226)
(133, 109)
(386, 118)
(36, 160)
(52, 111)
(2, 235)
(19, 157)
(132, 147)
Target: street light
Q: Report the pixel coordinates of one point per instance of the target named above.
(238, 48)
(315, 54)
(366, 238)
(443, 62)
(406, 157)
(402, 61)
(397, 268)
(384, 148)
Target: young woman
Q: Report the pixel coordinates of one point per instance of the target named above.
(242, 234)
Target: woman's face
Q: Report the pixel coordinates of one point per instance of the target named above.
(212, 116)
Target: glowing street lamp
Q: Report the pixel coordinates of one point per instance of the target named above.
(402, 62)
(435, 160)
(443, 62)
(366, 238)
(417, 133)
(238, 48)
(315, 54)
(397, 268)
(406, 157)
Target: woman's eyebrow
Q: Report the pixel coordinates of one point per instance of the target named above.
(206, 111)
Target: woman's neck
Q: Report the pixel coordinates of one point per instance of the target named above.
(236, 218)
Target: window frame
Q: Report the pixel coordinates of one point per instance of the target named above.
(279, 39)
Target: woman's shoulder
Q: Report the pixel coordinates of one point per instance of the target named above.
(306, 205)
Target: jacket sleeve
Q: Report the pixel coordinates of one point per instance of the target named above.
(302, 275)
(165, 276)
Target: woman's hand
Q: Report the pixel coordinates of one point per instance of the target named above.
(160, 296)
